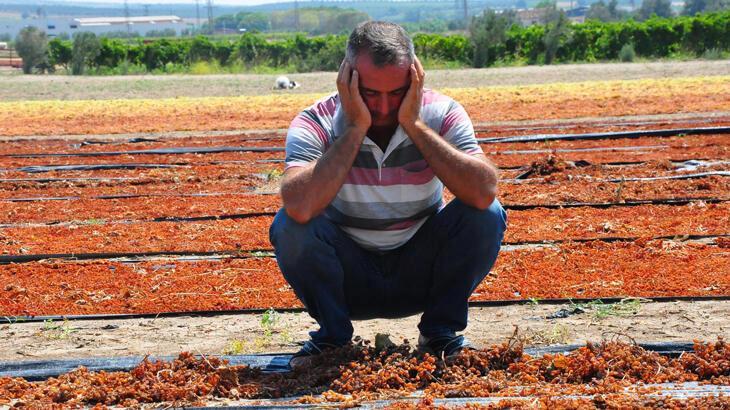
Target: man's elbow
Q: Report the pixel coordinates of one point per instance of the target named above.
(486, 197)
(483, 202)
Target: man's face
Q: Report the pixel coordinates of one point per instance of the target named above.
(382, 89)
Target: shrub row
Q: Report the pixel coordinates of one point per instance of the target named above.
(590, 41)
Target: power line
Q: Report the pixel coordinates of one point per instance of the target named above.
(466, 15)
(296, 14)
(210, 16)
(197, 14)
(126, 17)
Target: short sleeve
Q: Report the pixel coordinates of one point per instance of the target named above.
(306, 140)
(457, 129)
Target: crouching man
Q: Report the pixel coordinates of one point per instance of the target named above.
(364, 232)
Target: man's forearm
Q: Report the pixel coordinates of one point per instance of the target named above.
(308, 192)
(470, 178)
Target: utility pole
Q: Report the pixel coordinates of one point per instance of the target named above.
(126, 17)
(197, 15)
(210, 16)
(466, 15)
(126, 46)
(296, 14)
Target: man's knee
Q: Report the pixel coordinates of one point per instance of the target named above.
(487, 225)
(293, 241)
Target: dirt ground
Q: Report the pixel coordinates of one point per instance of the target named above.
(642, 321)
(48, 87)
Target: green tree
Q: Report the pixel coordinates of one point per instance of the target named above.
(112, 53)
(85, 50)
(59, 53)
(662, 8)
(545, 4)
(168, 32)
(602, 12)
(201, 49)
(253, 21)
(488, 33)
(555, 31)
(32, 47)
(226, 21)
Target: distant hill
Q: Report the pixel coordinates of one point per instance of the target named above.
(393, 10)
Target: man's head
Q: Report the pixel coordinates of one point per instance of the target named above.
(382, 54)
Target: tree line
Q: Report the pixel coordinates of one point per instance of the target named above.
(492, 39)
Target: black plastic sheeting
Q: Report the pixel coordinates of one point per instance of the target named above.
(35, 370)
(525, 178)
(123, 196)
(598, 125)
(213, 313)
(668, 201)
(44, 180)
(155, 151)
(129, 141)
(5, 259)
(593, 149)
(609, 135)
(35, 169)
(677, 391)
(684, 176)
(520, 138)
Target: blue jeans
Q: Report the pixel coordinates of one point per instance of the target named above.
(435, 272)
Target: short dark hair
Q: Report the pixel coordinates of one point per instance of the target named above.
(386, 43)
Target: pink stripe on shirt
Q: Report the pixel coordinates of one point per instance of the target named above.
(327, 107)
(402, 225)
(300, 121)
(451, 118)
(430, 96)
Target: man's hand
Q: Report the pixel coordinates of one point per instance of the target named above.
(410, 108)
(348, 88)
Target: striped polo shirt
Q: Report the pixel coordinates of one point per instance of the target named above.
(387, 196)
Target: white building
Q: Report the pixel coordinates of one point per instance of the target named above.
(54, 26)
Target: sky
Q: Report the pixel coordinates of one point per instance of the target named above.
(215, 2)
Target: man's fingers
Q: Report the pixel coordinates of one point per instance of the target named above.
(419, 68)
(343, 76)
(415, 78)
(340, 71)
(355, 83)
